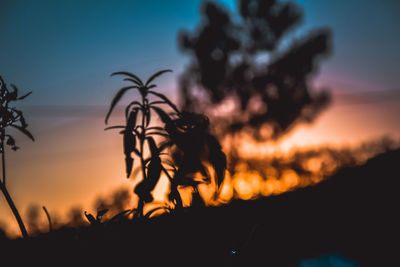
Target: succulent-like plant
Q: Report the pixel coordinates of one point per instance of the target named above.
(11, 117)
(95, 220)
(180, 131)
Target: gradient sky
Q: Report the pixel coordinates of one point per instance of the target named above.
(64, 51)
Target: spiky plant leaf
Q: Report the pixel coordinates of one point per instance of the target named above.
(90, 218)
(116, 98)
(153, 172)
(24, 131)
(129, 147)
(101, 213)
(217, 158)
(128, 165)
(24, 96)
(131, 121)
(12, 96)
(158, 133)
(132, 80)
(156, 128)
(10, 140)
(157, 102)
(135, 78)
(148, 117)
(114, 127)
(22, 120)
(162, 114)
(21, 117)
(153, 147)
(150, 212)
(16, 92)
(128, 107)
(163, 97)
(129, 142)
(155, 75)
(120, 215)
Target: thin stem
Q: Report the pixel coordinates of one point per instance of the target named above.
(5, 191)
(48, 218)
(142, 138)
(3, 162)
(14, 210)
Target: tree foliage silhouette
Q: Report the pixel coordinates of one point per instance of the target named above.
(11, 117)
(185, 135)
(247, 67)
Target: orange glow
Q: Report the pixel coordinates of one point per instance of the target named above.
(72, 163)
(313, 164)
(247, 184)
(226, 193)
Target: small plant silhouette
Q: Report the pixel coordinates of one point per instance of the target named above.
(185, 134)
(95, 220)
(11, 117)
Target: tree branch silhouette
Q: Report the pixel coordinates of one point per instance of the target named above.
(11, 117)
(246, 75)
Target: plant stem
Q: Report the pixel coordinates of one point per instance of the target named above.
(7, 195)
(14, 210)
(142, 137)
(3, 161)
(48, 218)
(141, 202)
(178, 199)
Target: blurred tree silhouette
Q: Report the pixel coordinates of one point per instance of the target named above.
(244, 73)
(33, 217)
(11, 117)
(75, 217)
(118, 202)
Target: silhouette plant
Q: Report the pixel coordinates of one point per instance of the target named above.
(151, 167)
(48, 218)
(185, 134)
(95, 220)
(11, 117)
(194, 147)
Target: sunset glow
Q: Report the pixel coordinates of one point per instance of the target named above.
(65, 57)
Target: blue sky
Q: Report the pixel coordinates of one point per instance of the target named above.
(65, 49)
(61, 49)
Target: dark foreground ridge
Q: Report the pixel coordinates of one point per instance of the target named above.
(353, 214)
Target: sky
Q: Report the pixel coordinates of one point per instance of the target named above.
(64, 51)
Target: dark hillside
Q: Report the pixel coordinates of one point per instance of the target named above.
(351, 214)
